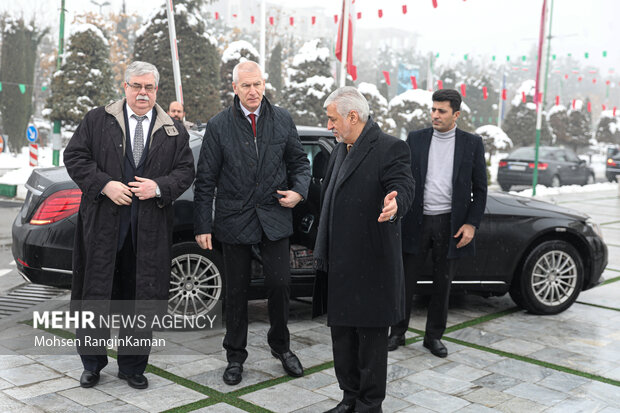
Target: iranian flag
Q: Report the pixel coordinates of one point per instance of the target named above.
(348, 20)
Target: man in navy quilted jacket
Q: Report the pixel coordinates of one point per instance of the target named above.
(252, 155)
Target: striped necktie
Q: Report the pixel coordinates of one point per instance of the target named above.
(138, 139)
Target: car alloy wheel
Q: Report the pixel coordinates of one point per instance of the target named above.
(551, 279)
(555, 181)
(196, 282)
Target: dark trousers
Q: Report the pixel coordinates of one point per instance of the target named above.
(435, 239)
(276, 269)
(131, 360)
(360, 363)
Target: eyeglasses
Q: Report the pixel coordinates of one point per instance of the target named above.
(136, 87)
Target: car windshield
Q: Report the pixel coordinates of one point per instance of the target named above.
(527, 152)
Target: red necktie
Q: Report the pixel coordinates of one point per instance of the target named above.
(253, 119)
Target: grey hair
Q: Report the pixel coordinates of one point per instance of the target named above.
(348, 98)
(138, 68)
(252, 67)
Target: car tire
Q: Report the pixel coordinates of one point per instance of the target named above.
(555, 181)
(196, 280)
(550, 279)
(505, 187)
(589, 179)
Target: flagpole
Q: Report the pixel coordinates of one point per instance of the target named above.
(176, 71)
(540, 77)
(345, 43)
(262, 36)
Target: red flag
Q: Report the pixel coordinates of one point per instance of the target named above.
(336, 18)
(380, 13)
(557, 100)
(604, 107)
(589, 106)
(435, 3)
(504, 94)
(386, 75)
(579, 78)
(464, 90)
(594, 80)
(313, 20)
(291, 20)
(359, 15)
(351, 69)
(485, 94)
(217, 15)
(574, 103)
(439, 84)
(271, 20)
(404, 9)
(608, 82)
(252, 19)
(614, 111)
(566, 76)
(414, 82)
(523, 98)
(235, 16)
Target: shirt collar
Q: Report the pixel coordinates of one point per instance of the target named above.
(247, 112)
(130, 112)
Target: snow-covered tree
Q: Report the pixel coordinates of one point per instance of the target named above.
(494, 139)
(608, 129)
(236, 52)
(198, 55)
(85, 79)
(579, 126)
(410, 111)
(309, 83)
(378, 104)
(520, 122)
(558, 122)
(20, 41)
(274, 70)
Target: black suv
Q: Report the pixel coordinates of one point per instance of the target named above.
(612, 166)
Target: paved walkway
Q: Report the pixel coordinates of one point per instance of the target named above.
(501, 359)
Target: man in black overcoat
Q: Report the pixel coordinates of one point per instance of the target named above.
(131, 161)
(368, 187)
(252, 157)
(449, 166)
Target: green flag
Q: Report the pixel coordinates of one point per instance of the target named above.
(22, 88)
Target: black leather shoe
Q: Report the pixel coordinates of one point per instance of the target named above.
(290, 362)
(137, 381)
(436, 347)
(89, 379)
(232, 374)
(342, 408)
(395, 341)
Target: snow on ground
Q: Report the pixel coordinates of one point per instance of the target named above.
(542, 190)
(15, 169)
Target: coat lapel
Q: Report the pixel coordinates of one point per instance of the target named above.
(162, 120)
(115, 109)
(424, 148)
(459, 147)
(357, 155)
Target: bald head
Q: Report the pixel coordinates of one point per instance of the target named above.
(248, 66)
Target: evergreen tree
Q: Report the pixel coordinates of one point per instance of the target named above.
(85, 79)
(274, 70)
(20, 41)
(579, 122)
(410, 111)
(558, 121)
(520, 122)
(236, 52)
(309, 83)
(608, 129)
(378, 104)
(198, 55)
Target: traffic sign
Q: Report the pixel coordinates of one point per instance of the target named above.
(32, 134)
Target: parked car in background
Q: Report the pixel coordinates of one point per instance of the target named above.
(542, 254)
(556, 166)
(612, 166)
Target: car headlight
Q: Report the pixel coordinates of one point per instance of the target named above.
(595, 227)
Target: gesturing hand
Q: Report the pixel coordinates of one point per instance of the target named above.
(390, 207)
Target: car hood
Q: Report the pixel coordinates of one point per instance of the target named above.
(531, 206)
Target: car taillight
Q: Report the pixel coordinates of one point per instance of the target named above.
(57, 206)
(611, 162)
(541, 165)
(503, 164)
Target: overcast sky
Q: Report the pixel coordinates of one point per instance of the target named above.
(455, 27)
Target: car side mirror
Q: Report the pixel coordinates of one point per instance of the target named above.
(582, 162)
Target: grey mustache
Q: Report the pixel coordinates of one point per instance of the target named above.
(141, 97)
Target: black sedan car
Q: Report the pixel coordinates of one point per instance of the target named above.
(612, 166)
(556, 166)
(554, 254)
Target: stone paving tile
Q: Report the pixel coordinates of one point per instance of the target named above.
(576, 405)
(563, 382)
(402, 388)
(497, 382)
(28, 374)
(519, 405)
(332, 391)
(476, 408)
(422, 362)
(219, 408)
(588, 364)
(161, 398)
(278, 398)
(517, 346)
(5, 384)
(606, 295)
(440, 382)
(115, 406)
(41, 388)
(196, 367)
(395, 372)
(209, 345)
(86, 397)
(321, 406)
(520, 370)
(437, 401)
(538, 394)
(595, 390)
(55, 403)
(9, 404)
(475, 358)
(461, 371)
(610, 410)
(314, 381)
(10, 361)
(61, 364)
(213, 379)
(115, 387)
(416, 409)
(487, 397)
(393, 404)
